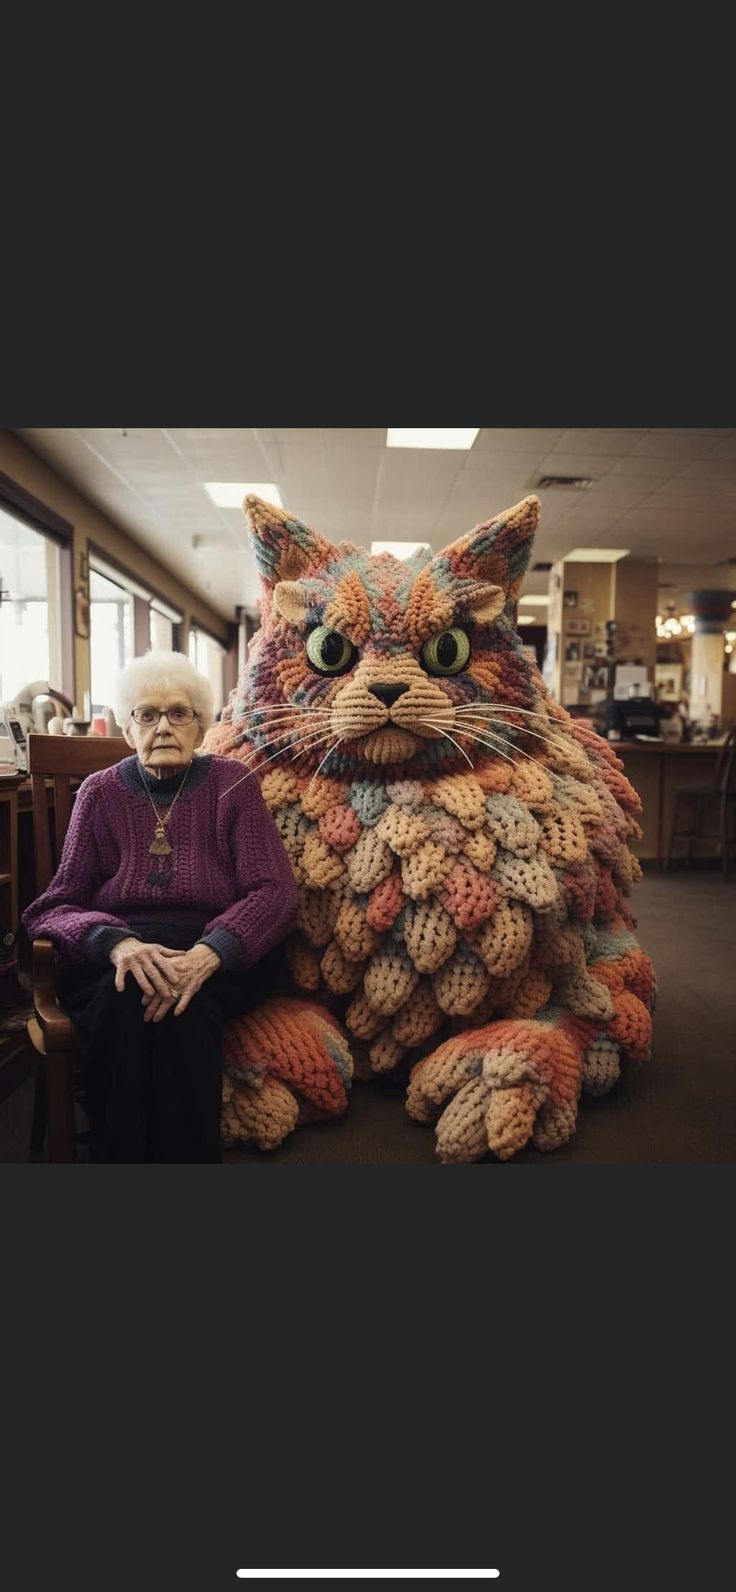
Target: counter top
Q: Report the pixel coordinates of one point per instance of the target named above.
(666, 746)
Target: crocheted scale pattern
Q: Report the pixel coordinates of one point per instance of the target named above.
(462, 847)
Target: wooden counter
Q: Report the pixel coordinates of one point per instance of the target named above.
(657, 769)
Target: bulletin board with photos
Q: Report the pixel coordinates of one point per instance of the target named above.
(668, 681)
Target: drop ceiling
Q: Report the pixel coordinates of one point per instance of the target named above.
(666, 494)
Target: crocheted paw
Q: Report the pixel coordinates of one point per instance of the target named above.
(497, 1087)
(263, 1113)
(297, 1053)
(626, 1037)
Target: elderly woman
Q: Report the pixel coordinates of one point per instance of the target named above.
(173, 884)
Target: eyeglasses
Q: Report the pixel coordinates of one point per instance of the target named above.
(146, 717)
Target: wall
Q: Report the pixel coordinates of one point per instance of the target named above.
(634, 590)
(583, 597)
(580, 604)
(90, 525)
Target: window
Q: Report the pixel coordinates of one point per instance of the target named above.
(126, 619)
(208, 656)
(162, 631)
(30, 607)
(111, 635)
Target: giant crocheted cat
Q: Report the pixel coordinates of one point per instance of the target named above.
(462, 848)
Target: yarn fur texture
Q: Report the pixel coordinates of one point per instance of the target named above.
(462, 847)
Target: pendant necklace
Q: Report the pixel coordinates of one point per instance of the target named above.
(160, 846)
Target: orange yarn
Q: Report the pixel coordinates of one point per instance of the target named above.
(296, 1042)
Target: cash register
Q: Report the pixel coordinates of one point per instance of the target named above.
(636, 718)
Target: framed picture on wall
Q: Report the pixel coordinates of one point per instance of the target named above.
(577, 627)
(668, 680)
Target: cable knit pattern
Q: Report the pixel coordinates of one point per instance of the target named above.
(462, 847)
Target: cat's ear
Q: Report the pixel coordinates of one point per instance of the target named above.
(285, 549)
(291, 601)
(496, 555)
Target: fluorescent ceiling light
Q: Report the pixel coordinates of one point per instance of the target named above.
(230, 494)
(408, 438)
(596, 555)
(399, 549)
(527, 619)
(535, 602)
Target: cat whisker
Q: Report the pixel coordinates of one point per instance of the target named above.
(280, 735)
(275, 720)
(552, 740)
(282, 707)
(258, 734)
(328, 753)
(261, 764)
(508, 707)
(281, 727)
(493, 702)
(492, 747)
(311, 745)
(251, 771)
(483, 712)
(520, 749)
(446, 735)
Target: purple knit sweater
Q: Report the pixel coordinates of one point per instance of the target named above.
(231, 885)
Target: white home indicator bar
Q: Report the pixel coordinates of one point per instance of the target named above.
(369, 1575)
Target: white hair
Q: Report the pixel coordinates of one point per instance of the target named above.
(162, 671)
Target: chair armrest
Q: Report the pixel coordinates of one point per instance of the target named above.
(53, 1022)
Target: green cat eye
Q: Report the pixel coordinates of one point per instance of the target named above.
(328, 651)
(446, 653)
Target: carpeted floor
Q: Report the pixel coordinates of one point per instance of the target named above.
(681, 1106)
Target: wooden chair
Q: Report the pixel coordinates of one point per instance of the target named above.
(67, 760)
(722, 791)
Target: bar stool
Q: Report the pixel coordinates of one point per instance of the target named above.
(722, 791)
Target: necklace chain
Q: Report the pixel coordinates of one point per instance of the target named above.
(163, 818)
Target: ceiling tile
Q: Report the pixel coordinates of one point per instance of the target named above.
(675, 445)
(640, 465)
(593, 464)
(711, 470)
(597, 440)
(725, 448)
(504, 462)
(516, 439)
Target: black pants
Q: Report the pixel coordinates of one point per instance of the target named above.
(151, 1091)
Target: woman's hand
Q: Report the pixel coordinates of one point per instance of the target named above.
(188, 972)
(156, 1007)
(149, 964)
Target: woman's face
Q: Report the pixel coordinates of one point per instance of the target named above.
(164, 745)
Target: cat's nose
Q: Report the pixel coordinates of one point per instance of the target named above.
(388, 691)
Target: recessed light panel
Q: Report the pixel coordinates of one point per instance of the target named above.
(422, 438)
(230, 494)
(596, 555)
